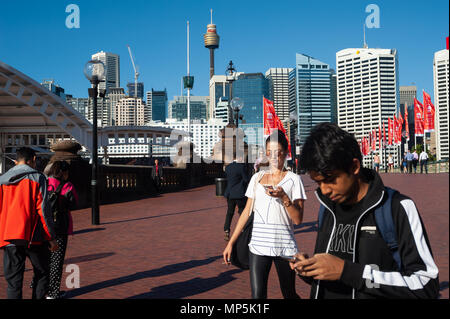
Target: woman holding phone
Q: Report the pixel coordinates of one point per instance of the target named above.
(279, 195)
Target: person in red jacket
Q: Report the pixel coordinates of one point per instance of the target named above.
(26, 225)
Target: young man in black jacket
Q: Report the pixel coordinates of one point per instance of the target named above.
(351, 258)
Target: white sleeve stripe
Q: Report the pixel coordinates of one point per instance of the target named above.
(419, 278)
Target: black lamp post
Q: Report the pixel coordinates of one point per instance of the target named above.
(94, 71)
(236, 105)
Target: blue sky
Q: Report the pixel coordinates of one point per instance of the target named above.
(256, 35)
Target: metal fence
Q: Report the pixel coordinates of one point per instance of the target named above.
(434, 167)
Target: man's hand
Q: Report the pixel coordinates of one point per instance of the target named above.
(53, 245)
(320, 267)
(298, 257)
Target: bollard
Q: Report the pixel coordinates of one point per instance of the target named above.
(221, 185)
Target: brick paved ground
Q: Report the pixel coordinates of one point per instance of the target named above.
(171, 246)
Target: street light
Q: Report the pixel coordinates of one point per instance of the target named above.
(94, 71)
(236, 105)
(230, 77)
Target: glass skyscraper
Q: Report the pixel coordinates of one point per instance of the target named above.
(251, 88)
(157, 105)
(312, 94)
(140, 89)
(198, 106)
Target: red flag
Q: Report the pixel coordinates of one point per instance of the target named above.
(390, 131)
(418, 118)
(384, 134)
(428, 113)
(272, 122)
(374, 140)
(395, 130)
(380, 144)
(406, 122)
(366, 146)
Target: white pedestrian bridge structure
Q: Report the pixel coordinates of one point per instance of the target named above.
(31, 115)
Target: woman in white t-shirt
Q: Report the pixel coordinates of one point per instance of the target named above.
(279, 197)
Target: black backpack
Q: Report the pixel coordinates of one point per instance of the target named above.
(59, 206)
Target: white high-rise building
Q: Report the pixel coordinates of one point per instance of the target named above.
(367, 93)
(112, 69)
(218, 87)
(130, 111)
(279, 90)
(103, 111)
(115, 95)
(441, 103)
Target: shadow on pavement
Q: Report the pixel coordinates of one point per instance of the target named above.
(87, 230)
(81, 259)
(310, 227)
(164, 215)
(189, 288)
(166, 270)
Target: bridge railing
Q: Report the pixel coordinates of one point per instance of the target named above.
(434, 167)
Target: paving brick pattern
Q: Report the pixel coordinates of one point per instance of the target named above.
(170, 246)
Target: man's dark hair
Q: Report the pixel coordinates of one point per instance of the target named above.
(329, 148)
(25, 154)
(278, 136)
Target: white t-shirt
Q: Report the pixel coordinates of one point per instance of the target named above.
(273, 230)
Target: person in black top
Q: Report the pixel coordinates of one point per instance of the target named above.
(352, 259)
(237, 181)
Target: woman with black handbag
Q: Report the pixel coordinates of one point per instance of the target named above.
(275, 203)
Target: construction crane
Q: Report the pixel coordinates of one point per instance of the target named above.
(136, 73)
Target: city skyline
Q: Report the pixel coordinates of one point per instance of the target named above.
(162, 60)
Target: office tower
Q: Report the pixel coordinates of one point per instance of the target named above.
(115, 95)
(251, 88)
(54, 88)
(130, 112)
(112, 69)
(177, 108)
(79, 104)
(367, 92)
(311, 94)
(103, 111)
(218, 87)
(222, 109)
(407, 95)
(279, 90)
(441, 103)
(140, 89)
(156, 106)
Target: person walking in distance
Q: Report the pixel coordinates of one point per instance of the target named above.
(237, 182)
(63, 198)
(409, 160)
(423, 159)
(371, 242)
(376, 162)
(157, 175)
(415, 161)
(279, 197)
(26, 225)
(390, 163)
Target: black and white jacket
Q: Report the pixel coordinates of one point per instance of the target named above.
(374, 272)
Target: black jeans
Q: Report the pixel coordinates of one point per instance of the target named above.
(259, 275)
(14, 268)
(232, 203)
(410, 164)
(422, 164)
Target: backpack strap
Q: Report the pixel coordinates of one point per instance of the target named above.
(320, 218)
(59, 188)
(386, 227)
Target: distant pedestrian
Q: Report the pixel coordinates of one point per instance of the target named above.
(157, 175)
(404, 164)
(391, 163)
(279, 197)
(409, 160)
(65, 198)
(415, 160)
(423, 162)
(26, 225)
(376, 162)
(237, 182)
